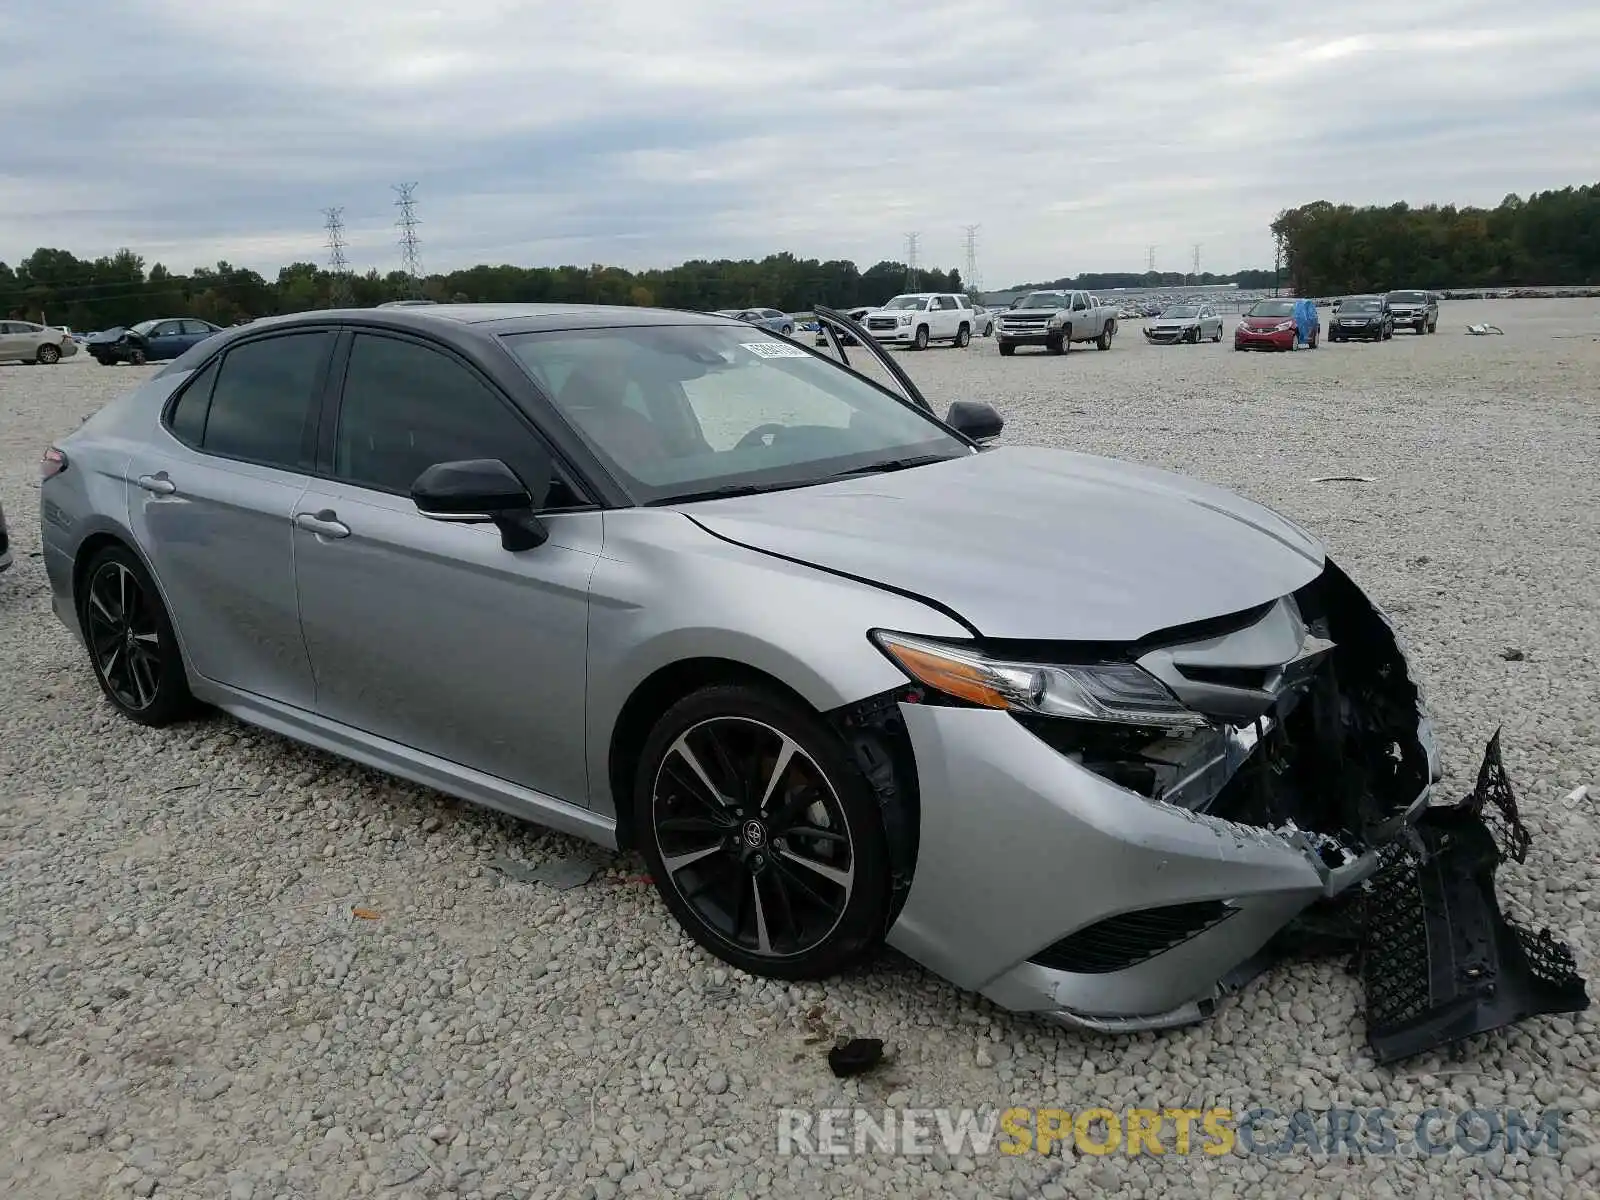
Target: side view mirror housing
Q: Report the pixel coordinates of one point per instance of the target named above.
(483, 491)
(980, 422)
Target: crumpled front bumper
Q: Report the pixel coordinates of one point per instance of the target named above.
(1051, 890)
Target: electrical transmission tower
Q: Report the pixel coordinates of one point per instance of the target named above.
(339, 293)
(911, 261)
(972, 256)
(407, 224)
(1197, 262)
(1150, 259)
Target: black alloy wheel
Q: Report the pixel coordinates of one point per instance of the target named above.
(131, 644)
(762, 835)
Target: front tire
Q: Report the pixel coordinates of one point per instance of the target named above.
(1218, 338)
(763, 837)
(136, 357)
(921, 342)
(1007, 349)
(47, 355)
(132, 648)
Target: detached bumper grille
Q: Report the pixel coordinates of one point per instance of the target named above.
(1131, 938)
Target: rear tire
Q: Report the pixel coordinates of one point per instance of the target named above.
(988, 330)
(795, 881)
(1103, 342)
(132, 649)
(1218, 338)
(47, 355)
(963, 337)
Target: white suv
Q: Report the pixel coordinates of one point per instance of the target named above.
(917, 318)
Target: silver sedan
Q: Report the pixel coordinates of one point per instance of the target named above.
(25, 341)
(1093, 739)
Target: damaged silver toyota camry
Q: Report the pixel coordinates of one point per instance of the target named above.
(1095, 740)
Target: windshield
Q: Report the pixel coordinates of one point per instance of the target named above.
(677, 411)
(907, 302)
(1182, 310)
(1044, 300)
(1271, 308)
(143, 328)
(1361, 304)
(1408, 297)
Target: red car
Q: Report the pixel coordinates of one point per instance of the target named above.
(1269, 325)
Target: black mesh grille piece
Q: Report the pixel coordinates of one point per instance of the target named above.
(1130, 938)
(1493, 800)
(1395, 966)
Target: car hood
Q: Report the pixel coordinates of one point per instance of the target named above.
(1034, 543)
(107, 335)
(1267, 322)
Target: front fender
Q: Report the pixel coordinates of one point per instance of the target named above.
(667, 592)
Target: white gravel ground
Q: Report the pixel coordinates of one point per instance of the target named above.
(187, 1009)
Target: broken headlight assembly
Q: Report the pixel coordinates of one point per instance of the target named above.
(1112, 718)
(1117, 693)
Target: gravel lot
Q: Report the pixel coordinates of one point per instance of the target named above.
(189, 1009)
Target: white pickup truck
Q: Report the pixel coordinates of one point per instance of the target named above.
(1055, 320)
(917, 318)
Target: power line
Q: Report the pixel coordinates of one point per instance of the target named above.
(407, 224)
(911, 261)
(338, 265)
(972, 256)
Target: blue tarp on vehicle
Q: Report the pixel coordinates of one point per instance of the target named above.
(1305, 320)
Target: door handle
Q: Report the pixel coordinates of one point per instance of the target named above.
(157, 483)
(324, 524)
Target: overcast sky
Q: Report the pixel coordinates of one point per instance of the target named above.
(643, 133)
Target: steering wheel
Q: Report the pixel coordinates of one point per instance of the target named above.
(759, 434)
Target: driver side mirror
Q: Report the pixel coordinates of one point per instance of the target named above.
(980, 422)
(484, 491)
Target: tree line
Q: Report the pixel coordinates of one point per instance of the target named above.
(1155, 281)
(1551, 239)
(55, 287)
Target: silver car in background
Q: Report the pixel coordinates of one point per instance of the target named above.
(1096, 740)
(24, 341)
(1185, 323)
(767, 318)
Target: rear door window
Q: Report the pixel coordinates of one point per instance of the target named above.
(264, 396)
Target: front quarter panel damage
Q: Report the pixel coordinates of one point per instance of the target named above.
(1042, 863)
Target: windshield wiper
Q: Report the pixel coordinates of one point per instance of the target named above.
(724, 491)
(893, 464)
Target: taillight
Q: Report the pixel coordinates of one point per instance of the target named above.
(53, 463)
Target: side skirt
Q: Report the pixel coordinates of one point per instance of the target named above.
(408, 763)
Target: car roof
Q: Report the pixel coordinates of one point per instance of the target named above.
(502, 318)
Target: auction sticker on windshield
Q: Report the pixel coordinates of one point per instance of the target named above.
(774, 350)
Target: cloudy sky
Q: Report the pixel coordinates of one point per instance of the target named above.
(644, 132)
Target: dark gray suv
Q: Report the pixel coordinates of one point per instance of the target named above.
(1415, 310)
